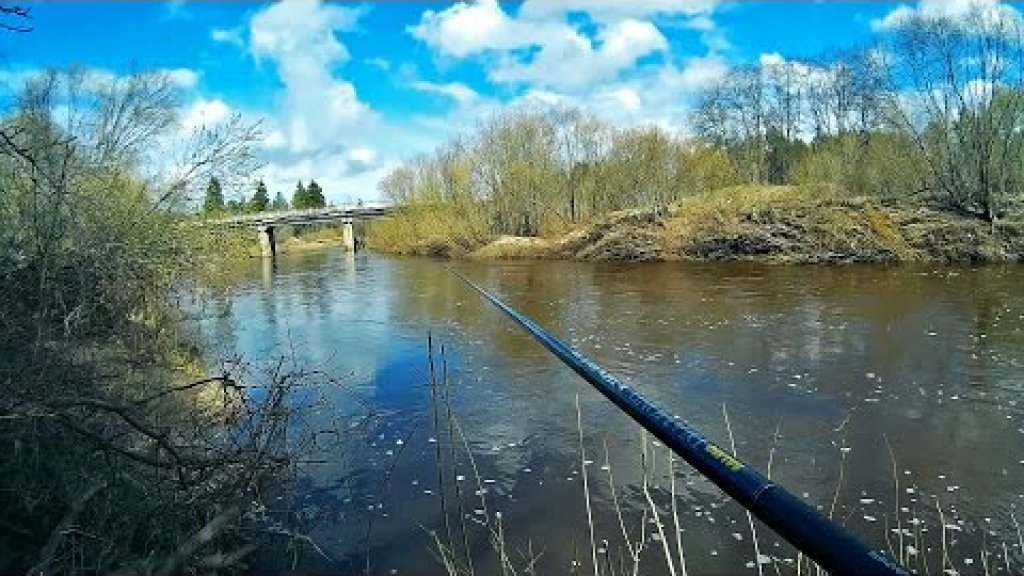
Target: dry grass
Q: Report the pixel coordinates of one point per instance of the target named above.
(782, 224)
(443, 230)
(513, 248)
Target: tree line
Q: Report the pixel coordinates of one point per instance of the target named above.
(304, 197)
(932, 111)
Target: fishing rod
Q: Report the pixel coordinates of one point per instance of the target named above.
(825, 542)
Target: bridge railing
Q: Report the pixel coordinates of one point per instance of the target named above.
(309, 214)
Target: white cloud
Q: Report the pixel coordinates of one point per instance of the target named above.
(467, 29)
(204, 114)
(573, 61)
(365, 156)
(617, 64)
(699, 73)
(662, 97)
(298, 38)
(322, 129)
(182, 77)
(460, 93)
(231, 36)
(539, 47)
(627, 97)
(341, 184)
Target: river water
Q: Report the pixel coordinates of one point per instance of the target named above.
(820, 371)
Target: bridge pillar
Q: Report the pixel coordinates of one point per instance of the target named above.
(348, 235)
(267, 245)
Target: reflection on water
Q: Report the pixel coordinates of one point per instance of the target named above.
(819, 368)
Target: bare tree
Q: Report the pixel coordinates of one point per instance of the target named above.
(13, 17)
(957, 93)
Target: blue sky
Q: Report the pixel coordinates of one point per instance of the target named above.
(345, 91)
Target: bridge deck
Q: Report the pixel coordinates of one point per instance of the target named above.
(305, 217)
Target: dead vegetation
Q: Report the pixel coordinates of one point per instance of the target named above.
(781, 224)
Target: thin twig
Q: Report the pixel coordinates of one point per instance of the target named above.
(896, 487)
(675, 515)
(438, 438)
(654, 509)
(455, 461)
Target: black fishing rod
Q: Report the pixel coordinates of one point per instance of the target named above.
(825, 542)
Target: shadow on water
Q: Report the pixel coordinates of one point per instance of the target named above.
(839, 360)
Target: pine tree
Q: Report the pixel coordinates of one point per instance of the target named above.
(316, 195)
(260, 199)
(214, 201)
(300, 199)
(279, 203)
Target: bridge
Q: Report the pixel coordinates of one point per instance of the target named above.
(266, 222)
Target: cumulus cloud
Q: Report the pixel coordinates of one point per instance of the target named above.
(204, 113)
(298, 38)
(322, 129)
(467, 29)
(573, 61)
(663, 97)
(538, 46)
(460, 93)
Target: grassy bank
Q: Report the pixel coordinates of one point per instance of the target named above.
(782, 224)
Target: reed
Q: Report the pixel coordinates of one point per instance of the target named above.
(661, 509)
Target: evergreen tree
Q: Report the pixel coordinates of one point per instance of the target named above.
(279, 203)
(300, 199)
(316, 195)
(260, 199)
(214, 201)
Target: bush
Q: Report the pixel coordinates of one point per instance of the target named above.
(115, 449)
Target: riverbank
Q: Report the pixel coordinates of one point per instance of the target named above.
(779, 224)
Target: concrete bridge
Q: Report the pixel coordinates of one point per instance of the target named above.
(266, 222)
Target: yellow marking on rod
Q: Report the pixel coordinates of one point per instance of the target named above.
(724, 457)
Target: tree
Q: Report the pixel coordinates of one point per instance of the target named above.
(702, 168)
(300, 198)
(965, 112)
(260, 199)
(315, 195)
(214, 201)
(96, 253)
(279, 203)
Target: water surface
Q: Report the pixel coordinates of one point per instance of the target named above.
(819, 369)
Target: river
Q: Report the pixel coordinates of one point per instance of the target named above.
(819, 369)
